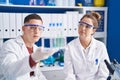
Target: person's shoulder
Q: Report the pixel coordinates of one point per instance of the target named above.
(14, 40)
(73, 41)
(9, 41)
(7, 45)
(99, 43)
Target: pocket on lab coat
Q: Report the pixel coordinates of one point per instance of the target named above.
(78, 67)
(92, 65)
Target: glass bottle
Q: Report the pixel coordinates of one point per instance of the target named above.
(88, 2)
(99, 3)
(32, 2)
(51, 3)
(42, 3)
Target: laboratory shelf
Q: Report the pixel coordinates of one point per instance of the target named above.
(42, 9)
(101, 31)
(38, 9)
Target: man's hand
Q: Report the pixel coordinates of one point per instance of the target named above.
(42, 53)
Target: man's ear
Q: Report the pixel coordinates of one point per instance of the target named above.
(23, 28)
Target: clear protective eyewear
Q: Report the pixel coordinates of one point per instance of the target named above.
(33, 26)
(81, 24)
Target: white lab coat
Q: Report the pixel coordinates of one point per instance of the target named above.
(14, 62)
(79, 66)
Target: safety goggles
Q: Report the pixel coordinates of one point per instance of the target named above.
(33, 26)
(81, 24)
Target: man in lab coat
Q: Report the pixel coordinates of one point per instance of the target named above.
(84, 57)
(19, 56)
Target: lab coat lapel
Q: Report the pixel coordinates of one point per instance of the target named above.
(92, 49)
(22, 45)
(79, 47)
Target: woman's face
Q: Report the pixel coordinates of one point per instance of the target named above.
(32, 30)
(85, 28)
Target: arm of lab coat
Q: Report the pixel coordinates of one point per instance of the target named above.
(103, 72)
(68, 67)
(12, 66)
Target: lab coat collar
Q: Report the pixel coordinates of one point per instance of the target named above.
(92, 46)
(93, 43)
(20, 41)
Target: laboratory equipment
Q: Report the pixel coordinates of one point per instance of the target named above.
(99, 3)
(49, 61)
(42, 3)
(51, 3)
(114, 69)
(32, 2)
(88, 2)
(59, 57)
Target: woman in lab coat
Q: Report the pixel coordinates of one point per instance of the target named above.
(19, 56)
(84, 56)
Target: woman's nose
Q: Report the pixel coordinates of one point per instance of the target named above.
(83, 27)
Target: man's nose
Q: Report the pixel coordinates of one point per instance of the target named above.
(36, 29)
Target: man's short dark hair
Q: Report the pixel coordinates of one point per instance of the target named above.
(32, 16)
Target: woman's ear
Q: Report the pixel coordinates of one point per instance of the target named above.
(94, 30)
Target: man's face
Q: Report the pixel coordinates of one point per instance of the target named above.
(32, 30)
